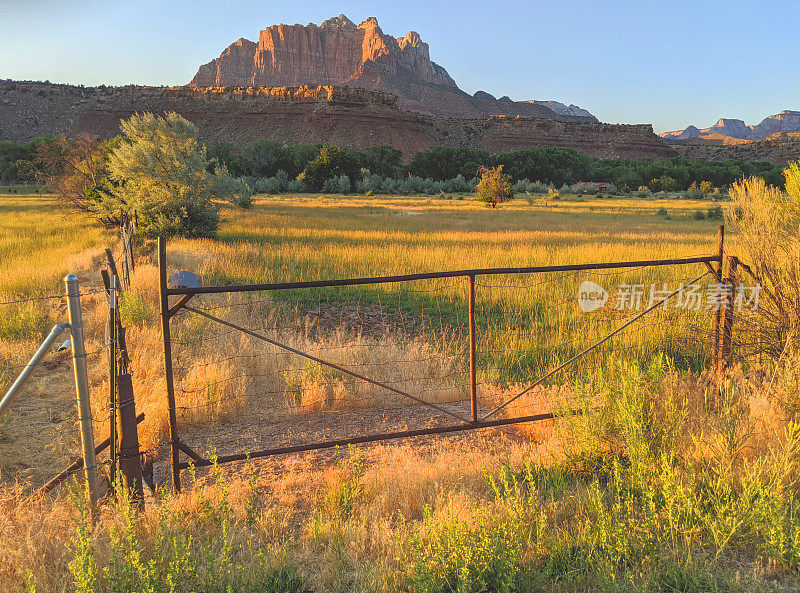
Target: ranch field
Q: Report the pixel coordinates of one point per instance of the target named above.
(669, 481)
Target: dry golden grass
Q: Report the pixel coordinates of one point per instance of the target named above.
(299, 496)
(301, 237)
(399, 481)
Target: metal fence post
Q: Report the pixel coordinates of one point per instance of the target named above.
(473, 384)
(716, 346)
(173, 419)
(82, 386)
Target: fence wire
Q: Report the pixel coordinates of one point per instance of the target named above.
(236, 393)
(40, 435)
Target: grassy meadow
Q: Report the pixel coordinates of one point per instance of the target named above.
(527, 323)
(670, 480)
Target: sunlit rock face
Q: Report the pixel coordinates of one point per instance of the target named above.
(783, 122)
(339, 52)
(335, 52)
(309, 114)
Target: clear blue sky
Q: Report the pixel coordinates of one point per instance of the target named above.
(670, 63)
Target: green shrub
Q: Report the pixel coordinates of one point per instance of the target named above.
(133, 307)
(22, 321)
(453, 557)
(189, 219)
(337, 503)
(162, 173)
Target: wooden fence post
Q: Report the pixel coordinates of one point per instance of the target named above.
(113, 326)
(130, 464)
(112, 265)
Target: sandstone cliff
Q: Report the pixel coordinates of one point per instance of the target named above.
(308, 114)
(338, 52)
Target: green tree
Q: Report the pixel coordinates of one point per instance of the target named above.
(663, 183)
(383, 160)
(332, 161)
(441, 163)
(162, 178)
(17, 161)
(262, 158)
(494, 186)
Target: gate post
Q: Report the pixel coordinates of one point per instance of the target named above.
(82, 387)
(112, 377)
(173, 419)
(715, 336)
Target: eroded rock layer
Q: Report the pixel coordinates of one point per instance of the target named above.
(351, 117)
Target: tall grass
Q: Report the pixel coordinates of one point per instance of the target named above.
(526, 323)
(39, 244)
(651, 494)
(669, 480)
(768, 222)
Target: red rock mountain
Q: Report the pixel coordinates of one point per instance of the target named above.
(338, 52)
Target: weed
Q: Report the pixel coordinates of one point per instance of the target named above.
(337, 503)
(23, 321)
(450, 556)
(133, 308)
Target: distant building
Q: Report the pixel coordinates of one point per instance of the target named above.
(602, 186)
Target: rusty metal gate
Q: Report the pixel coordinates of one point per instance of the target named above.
(177, 299)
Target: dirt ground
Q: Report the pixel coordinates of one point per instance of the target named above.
(248, 435)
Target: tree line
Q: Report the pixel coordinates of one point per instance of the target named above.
(546, 164)
(318, 167)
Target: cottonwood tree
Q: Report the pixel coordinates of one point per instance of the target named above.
(332, 161)
(163, 176)
(494, 186)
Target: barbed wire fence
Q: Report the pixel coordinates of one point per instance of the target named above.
(260, 370)
(40, 425)
(41, 428)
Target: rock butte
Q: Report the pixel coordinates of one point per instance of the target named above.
(334, 83)
(338, 52)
